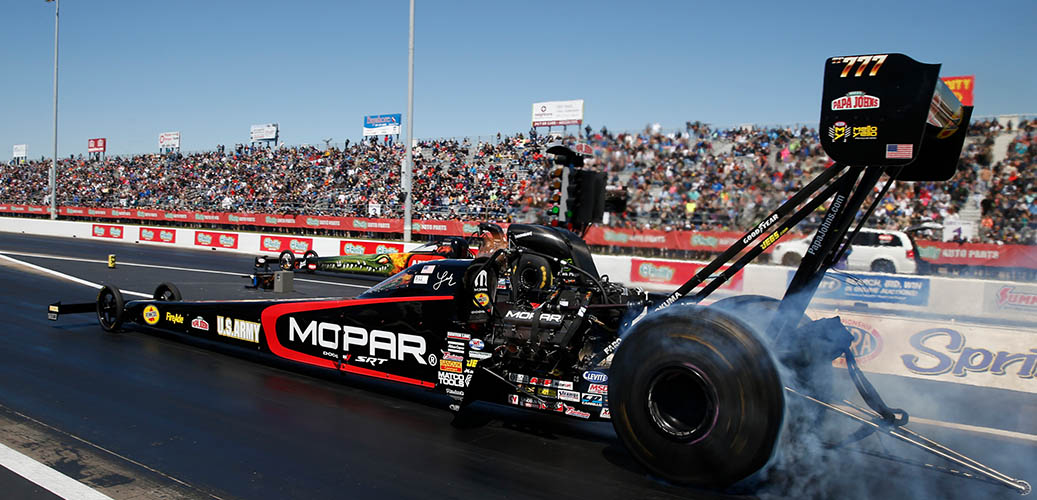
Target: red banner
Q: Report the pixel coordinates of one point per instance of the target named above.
(666, 272)
(359, 247)
(96, 145)
(706, 241)
(158, 235)
(962, 86)
(978, 254)
(214, 239)
(106, 231)
(278, 244)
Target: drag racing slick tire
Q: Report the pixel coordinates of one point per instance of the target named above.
(167, 292)
(286, 260)
(110, 312)
(696, 397)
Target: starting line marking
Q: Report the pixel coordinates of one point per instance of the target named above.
(156, 266)
(47, 478)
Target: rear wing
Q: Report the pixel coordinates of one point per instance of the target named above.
(889, 110)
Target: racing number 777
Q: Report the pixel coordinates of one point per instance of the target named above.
(864, 61)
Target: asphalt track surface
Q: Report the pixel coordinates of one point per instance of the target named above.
(141, 414)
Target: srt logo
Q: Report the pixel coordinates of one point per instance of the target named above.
(367, 360)
(397, 346)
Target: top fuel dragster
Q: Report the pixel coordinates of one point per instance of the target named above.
(693, 392)
(383, 263)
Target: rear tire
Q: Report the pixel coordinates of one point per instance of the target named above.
(286, 260)
(309, 261)
(167, 292)
(696, 397)
(110, 312)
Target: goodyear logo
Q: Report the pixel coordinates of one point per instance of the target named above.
(151, 315)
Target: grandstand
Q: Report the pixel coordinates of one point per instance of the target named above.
(696, 178)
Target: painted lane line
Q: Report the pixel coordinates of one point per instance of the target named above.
(47, 478)
(170, 268)
(68, 276)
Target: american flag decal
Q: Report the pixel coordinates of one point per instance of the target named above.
(899, 150)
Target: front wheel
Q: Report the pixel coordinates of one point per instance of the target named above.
(110, 312)
(167, 292)
(309, 260)
(696, 398)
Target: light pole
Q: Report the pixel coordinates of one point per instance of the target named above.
(408, 161)
(52, 182)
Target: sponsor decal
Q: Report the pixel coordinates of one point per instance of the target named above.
(605, 413)
(477, 344)
(176, 319)
(332, 336)
(471, 363)
(454, 379)
(479, 354)
(567, 395)
(855, 100)
(455, 392)
(598, 389)
(837, 132)
(945, 350)
(456, 346)
(421, 279)
(106, 231)
(547, 392)
(866, 132)
(458, 336)
(237, 329)
(215, 239)
(151, 315)
(449, 356)
(592, 399)
(444, 278)
(866, 343)
(526, 317)
(905, 151)
(595, 377)
(199, 323)
(760, 228)
(450, 366)
(564, 385)
(513, 399)
(482, 299)
(862, 63)
(428, 269)
(574, 412)
(609, 349)
(366, 360)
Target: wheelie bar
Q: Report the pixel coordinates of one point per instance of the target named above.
(906, 435)
(56, 309)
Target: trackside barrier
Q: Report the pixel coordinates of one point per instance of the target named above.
(889, 343)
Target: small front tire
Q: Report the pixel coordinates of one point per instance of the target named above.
(110, 308)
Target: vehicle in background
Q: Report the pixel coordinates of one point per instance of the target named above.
(875, 250)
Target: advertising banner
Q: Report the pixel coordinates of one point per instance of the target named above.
(20, 151)
(157, 235)
(360, 247)
(106, 231)
(263, 132)
(169, 140)
(215, 239)
(960, 353)
(554, 113)
(962, 86)
(277, 244)
(977, 254)
(98, 145)
(382, 124)
(871, 288)
(1011, 300)
(668, 272)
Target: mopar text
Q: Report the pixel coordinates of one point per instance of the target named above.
(375, 343)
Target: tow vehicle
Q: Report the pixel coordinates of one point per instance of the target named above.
(694, 393)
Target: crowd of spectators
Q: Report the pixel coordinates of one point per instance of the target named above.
(697, 177)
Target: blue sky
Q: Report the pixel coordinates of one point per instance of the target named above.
(131, 70)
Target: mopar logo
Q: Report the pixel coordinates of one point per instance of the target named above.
(375, 343)
(595, 377)
(528, 316)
